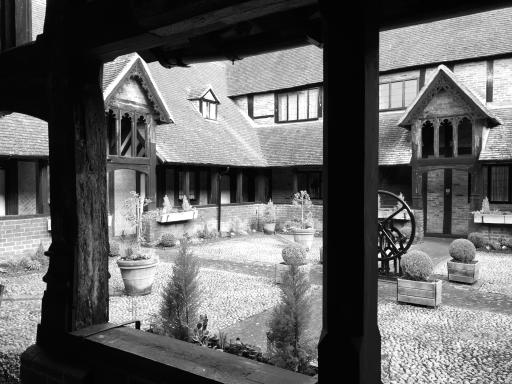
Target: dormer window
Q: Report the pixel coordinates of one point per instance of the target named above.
(208, 109)
(205, 101)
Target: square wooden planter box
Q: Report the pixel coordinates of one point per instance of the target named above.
(282, 267)
(426, 293)
(463, 272)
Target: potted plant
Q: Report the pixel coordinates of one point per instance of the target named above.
(304, 233)
(292, 255)
(269, 218)
(462, 267)
(138, 264)
(416, 287)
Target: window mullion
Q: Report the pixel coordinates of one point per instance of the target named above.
(134, 134)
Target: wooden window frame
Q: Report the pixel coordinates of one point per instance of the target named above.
(208, 102)
(489, 183)
(134, 116)
(403, 93)
(296, 91)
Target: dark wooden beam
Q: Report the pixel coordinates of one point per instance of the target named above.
(76, 295)
(214, 186)
(42, 187)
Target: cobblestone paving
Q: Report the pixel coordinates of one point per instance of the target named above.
(444, 345)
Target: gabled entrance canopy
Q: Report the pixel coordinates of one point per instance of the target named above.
(444, 80)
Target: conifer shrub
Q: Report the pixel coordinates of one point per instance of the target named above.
(416, 265)
(168, 240)
(462, 250)
(181, 295)
(286, 343)
(294, 254)
(477, 239)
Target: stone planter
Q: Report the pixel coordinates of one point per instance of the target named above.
(463, 272)
(281, 267)
(304, 237)
(269, 228)
(426, 293)
(492, 218)
(138, 275)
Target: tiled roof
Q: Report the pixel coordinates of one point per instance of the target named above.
(499, 140)
(22, 135)
(394, 141)
(292, 144)
(464, 37)
(276, 70)
(113, 69)
(230, 140)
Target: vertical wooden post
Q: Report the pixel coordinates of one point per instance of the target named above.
(186, 184)
(11, 192)
(111, 201)
(76, 294)
(42, 188)
(214, 186)
(260, 187)
(239, 187)
(436, 137)
(295, 182)
(151, 175)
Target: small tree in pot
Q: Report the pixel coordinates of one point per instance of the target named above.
(269, 218)
(304, 232)
(463, 268)
(138, 264)
(416, 287)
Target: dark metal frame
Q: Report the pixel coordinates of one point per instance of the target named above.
(391, 243)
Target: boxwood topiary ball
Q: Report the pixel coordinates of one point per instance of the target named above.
(294, 254)
(416, 265)
(462, 250)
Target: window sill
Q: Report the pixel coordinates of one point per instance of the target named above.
(154, 359)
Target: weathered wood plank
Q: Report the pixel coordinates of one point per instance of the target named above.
(426, 285)
(463, 266)
(462, 279)
(417, 300)
(417, 292)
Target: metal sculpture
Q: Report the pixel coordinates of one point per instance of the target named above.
(396, 230)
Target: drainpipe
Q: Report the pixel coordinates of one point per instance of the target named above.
(218, 196)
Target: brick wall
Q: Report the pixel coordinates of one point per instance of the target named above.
(19, 236)
(246, 216)
(492, 231)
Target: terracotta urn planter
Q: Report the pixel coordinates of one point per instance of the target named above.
(138, 275)
(269, 228)
(463, 272)
(426, 293)
(304, 236)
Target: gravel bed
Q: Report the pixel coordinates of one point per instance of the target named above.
(495, 272)
(444, 345)
(227, 297)
(23, 285)
(253, 248)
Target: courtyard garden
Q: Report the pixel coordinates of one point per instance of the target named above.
(236, 282)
